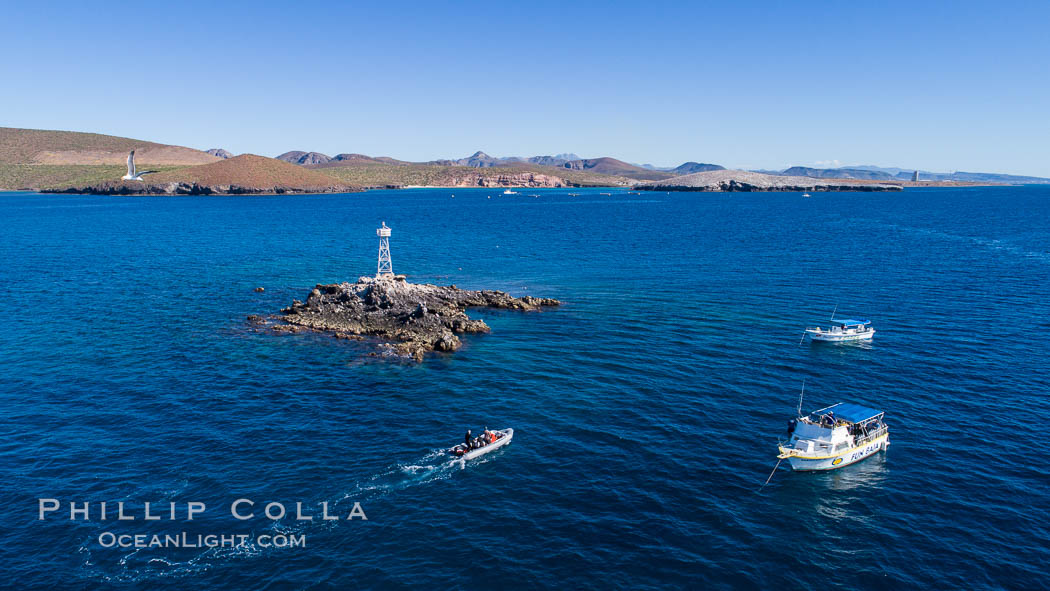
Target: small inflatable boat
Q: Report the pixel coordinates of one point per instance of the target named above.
(503, 437)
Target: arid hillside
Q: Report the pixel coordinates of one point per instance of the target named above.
(246, 174)
(39, 146)
(365, 173)
(250, 171)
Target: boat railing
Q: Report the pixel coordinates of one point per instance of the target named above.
(870, 435)
(849, 329)
(858, 441)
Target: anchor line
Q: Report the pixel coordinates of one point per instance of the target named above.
(771, 474)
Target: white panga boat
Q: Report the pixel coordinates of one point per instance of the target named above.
(509, 192)
(849, 329)
(462, 451)
(833, 437)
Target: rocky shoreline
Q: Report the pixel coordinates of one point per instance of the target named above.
(413, 318)
(177, 188)
(739, 180)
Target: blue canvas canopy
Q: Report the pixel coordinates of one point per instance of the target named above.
(851, 413)
(851, 321)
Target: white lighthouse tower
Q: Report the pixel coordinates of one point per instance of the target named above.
(385, 268)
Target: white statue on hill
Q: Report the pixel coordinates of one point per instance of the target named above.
(132, 176)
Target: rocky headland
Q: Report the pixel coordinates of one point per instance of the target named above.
(412, 318)
(739, 180)
(240, 175)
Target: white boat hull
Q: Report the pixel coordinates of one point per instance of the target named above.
(830, 462)
(505, 437)
(834, 337)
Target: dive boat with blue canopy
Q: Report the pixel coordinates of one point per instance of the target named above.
(833, 437)
(850, 329)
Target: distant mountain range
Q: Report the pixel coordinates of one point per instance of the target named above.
(480, 159)
(647, 172)
(877, 173)
(686, 168)
(840, 173)
(972, 177)
(694, 167)
(304, 158)
(604, 166)
(615, 167)
(317, 158)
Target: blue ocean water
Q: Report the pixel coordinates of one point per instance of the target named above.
(646, 409)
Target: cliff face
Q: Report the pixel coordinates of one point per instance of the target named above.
(508, 180)
(414, 318)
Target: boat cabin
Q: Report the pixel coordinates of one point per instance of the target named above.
(835, 429)
(849, 325)
(853, 324)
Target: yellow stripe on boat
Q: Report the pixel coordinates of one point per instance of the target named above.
(789, 452)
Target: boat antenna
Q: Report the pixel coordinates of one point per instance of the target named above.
(801, 394)
(833, 311)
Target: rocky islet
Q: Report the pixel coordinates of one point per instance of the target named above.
(411, 318)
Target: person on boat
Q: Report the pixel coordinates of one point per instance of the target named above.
(467, 439)
(489, 436)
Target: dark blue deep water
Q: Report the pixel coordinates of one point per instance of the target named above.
(646, 409)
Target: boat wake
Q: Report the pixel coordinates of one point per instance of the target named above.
(138, 565)
(435, 465)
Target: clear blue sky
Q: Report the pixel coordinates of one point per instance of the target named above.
(936, 85)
